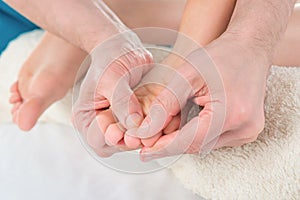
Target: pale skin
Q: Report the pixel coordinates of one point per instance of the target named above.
(291, 60)
(244, 107)
(114, 135)
(203, 34)
(144, 21)
(44, 72)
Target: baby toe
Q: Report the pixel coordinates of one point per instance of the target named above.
(149, 142)
(113, 134)
(173, 125)
(29, 112)
(15, 98)
(14, 87)
(132, 142)
(16, 107)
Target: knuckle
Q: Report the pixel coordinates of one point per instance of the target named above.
(254, 129)
(243, 114)
(251, 138)
(246, 115)
(250, 122)
(258, 125)
(257, 122)
(236, 117)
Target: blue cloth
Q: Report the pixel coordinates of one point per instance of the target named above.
(12, 24)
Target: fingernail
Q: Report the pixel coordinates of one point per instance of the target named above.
(133, 120)
(143, 129)
(108, 142)
(131, 132)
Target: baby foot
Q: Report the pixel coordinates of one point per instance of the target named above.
(115, 134)
(44, 78)
(146, 94)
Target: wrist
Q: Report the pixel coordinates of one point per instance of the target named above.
(249, 44)
(91, 36)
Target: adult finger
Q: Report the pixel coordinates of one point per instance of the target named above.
(198, 132)
(95, 133)
(124, 103)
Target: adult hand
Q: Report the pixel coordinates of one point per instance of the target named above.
(106, 106)
(232, 111)
(242, 56)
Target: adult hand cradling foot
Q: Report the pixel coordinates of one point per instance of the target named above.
(163, 105)
(237, 95)
(243, 83)
(106, 92)
(125, 101)
(231, 114)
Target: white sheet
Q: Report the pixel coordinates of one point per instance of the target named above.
(50, 163)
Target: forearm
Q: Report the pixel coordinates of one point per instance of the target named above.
(260, 24)
(205, 20)
(79, 22)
